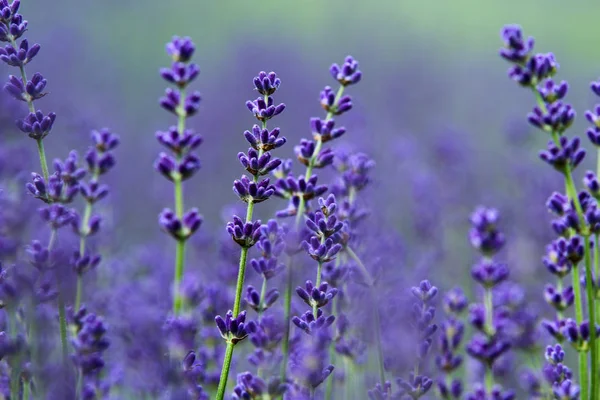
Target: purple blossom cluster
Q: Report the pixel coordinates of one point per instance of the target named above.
(325, 311)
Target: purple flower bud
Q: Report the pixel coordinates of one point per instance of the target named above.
(489, 273)
(258, 165)
(233, 330)
(179, 144)
(551, 92)
(455, 301)
(329, 103)
(180, 74)
(560, 300)
(56, 216)
(83, 263)
(37, 125)
(19, 57)
(244, 234)
(556, 118)
(263, 109)
(484, 234)
(181, 49)
(263, 139)
(516, 48)
(266, 83)
(180, 229)
(348, 73)
(248, 190)
(321, 252)
(325, 130)
(425, 292)
(104, 140)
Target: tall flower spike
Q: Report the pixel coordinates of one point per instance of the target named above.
(417, 385)
(258, 162)
(18, 53)
(576, 214)
(100, 160)
(182, 163)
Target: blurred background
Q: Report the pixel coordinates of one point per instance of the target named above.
(435, 110)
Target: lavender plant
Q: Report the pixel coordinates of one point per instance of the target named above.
(181, 142)
(258, 162)
(351, 329)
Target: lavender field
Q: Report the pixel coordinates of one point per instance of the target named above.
(313, 201)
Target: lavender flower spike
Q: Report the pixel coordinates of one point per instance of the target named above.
(182, 163)
(258, 161)
(35, 124)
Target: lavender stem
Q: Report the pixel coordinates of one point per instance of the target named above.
(62, 319)
(376, 316)
(287, 308)
(87, 214)
(592, 316)
(178, 194)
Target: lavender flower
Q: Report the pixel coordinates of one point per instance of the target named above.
(258, 161)
(182, 142)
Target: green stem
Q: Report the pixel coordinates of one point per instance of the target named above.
(15, 368)
(489, 312)
(62, 319)
(592, 316)
(236, 310)
(178, 199)
(332, 356)
(87, 214)
(225, 371)
(489, 380)
(179, 262)
(43, 162)
(559, 287)
(287, 310)
(26, 390)
(577, 289)
(263, 294)
(313, 159)
(376, 316)
(583, 374)
(317, 284)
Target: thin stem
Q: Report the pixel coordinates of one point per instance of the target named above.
(87, 214)
(317, 284)
(376, 316)
(489, 312)
(332, 356)
(577, 290)
(489, 380)
(313, 159)
(592, 316)
(179, 262)
(488, 301)
(263, 294)
(225, 371)
(62, 319)
(287, 310)
(583, 374)
(559, 287)
(236, 310)
(26, 390)
(43, 162)
(15, 370)
(179, 207)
